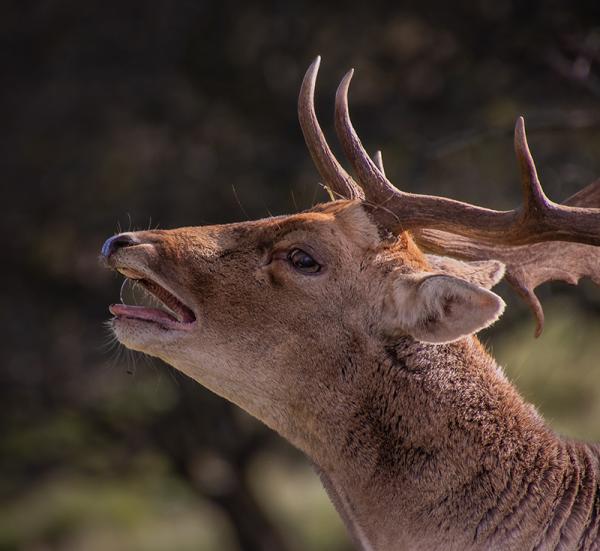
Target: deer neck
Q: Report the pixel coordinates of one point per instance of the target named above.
(436, 449)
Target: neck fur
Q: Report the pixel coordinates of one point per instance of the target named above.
(438, 450)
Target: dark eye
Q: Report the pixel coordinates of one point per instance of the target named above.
(303, 262)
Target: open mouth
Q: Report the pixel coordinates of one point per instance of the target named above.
(165, 309)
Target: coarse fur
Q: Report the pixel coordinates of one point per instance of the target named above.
(371, 367)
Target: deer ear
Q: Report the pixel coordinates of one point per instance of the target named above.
(486, 273)
(438, 308)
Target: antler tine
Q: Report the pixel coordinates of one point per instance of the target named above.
(375, 185)
(333, 174)
(533, 194)
(394, 209)
(539, 219)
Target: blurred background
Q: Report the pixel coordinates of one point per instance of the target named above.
(128, 115)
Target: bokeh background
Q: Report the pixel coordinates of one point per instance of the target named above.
(135, 114)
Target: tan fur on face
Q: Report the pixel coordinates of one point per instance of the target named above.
(264, 330)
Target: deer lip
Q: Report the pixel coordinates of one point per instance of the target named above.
(176, 315)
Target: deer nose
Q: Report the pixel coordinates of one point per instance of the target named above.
(116, 242)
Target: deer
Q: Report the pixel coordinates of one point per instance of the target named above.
(350, 329)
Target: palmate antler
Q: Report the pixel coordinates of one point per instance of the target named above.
(528, 266)
(530, 240)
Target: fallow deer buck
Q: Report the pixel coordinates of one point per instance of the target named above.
(337, 330)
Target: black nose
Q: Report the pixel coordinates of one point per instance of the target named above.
(118, 242)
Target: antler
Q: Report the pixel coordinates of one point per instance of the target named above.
(528, 266)
(335, 177)
(539, 219)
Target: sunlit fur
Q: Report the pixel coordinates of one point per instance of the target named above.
(421, 446)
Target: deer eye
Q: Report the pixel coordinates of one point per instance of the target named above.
(303, 262)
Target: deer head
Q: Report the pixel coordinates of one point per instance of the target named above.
(264, 313)
(289, 316)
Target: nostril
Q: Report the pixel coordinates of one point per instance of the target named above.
(116, 242)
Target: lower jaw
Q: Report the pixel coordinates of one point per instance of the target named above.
(150, 325)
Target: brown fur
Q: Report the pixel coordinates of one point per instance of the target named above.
(421, 446)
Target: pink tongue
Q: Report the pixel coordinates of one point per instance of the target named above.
(139, 312)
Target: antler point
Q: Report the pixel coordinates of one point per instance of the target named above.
(520, 135)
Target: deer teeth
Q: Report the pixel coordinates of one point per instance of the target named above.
(155, 303)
